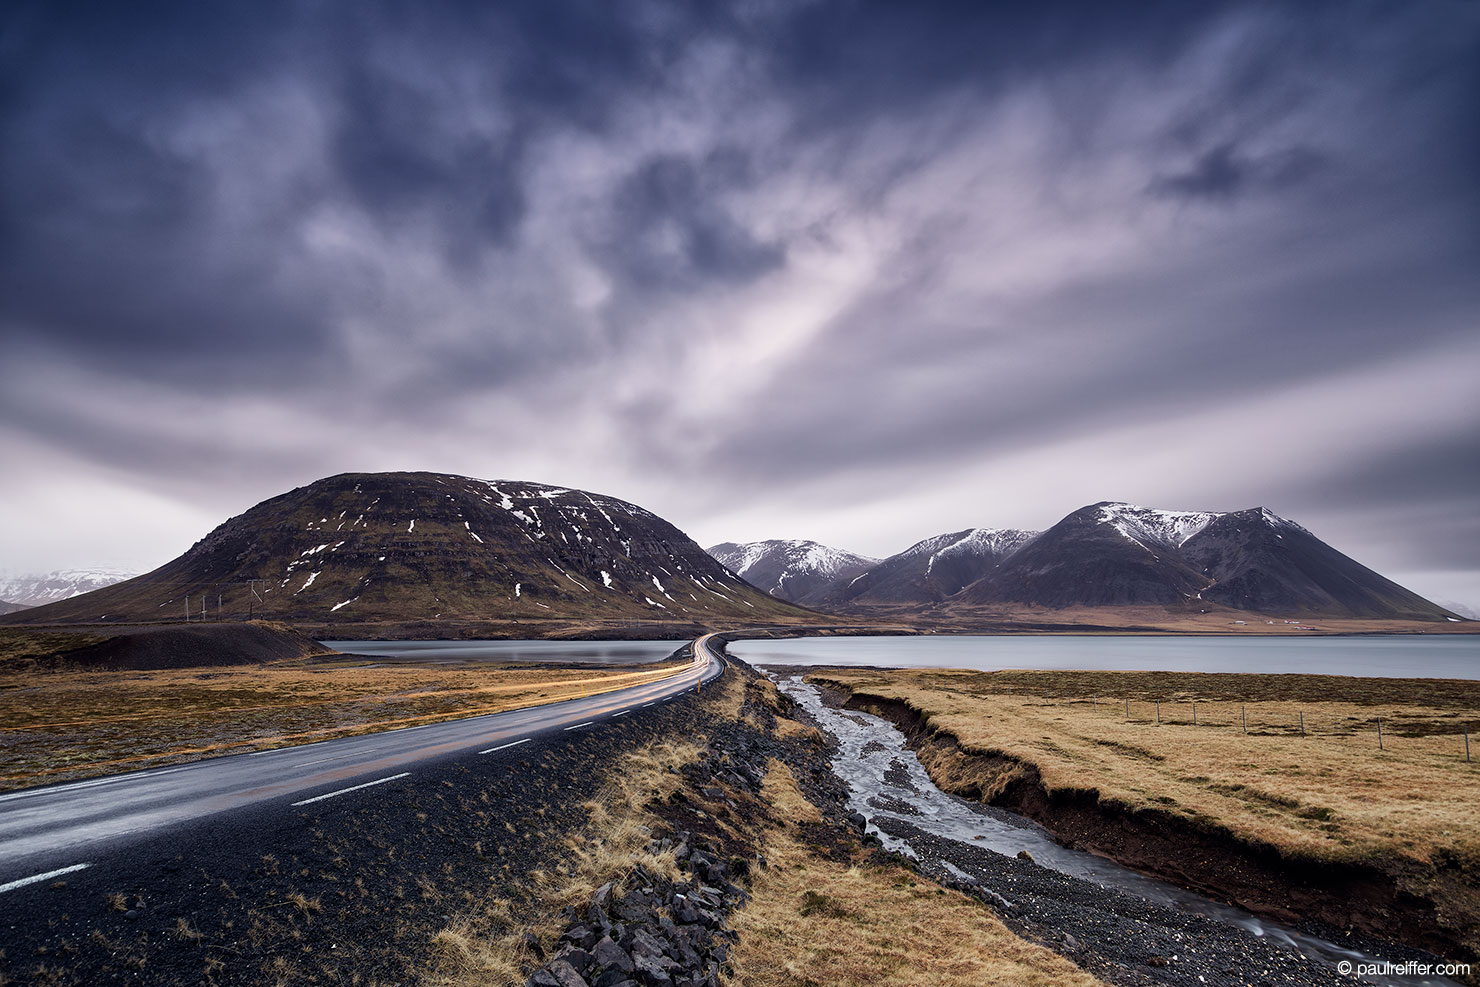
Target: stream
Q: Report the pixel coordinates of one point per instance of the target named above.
(888, 784)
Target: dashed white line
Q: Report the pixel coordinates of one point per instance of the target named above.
(644, 706)
(336, 757)
(41, 877)
(500, 747)
(622, 713)
(353, 788)
(577, 726)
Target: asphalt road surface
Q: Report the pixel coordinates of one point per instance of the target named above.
(46, 833)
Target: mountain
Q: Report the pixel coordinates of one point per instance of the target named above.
(364, 547)
(1112, 554)
(6, 607)
(932, 569)
(799, 571)
(34, 591)
(1260, 561)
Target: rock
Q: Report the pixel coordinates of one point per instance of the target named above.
(857, 821)
(580, 960)
(558, 974)
(603, 896)
(645, 944)
(1025, 855)
(684, 911)
(650, 970)
(610, 956)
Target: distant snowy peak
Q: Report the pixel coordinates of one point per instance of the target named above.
(63, 584)
(798, 554)
(793, 569)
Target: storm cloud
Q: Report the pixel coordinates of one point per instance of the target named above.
(850, 271)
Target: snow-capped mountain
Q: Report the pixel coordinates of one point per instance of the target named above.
(794, 569)
(416, 546)
(1148, 526)
(63, 584)
(1112, 554)
(933, 569)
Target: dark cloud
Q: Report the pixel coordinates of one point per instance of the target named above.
(782, 244)
(1224, 173)
(669, 226)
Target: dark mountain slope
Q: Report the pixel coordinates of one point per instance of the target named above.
(416, 546)
(1111, 554)
(1260, 561)
(1097, 556)
(932, 569)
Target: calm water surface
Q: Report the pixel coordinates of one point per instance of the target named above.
(594, 652)
(1453, 656)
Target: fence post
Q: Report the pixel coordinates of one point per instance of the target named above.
(1379, 733)
(1127, 709)
(1158, 712)
(1245, 711)
(1194, 712)
(1467, 743)
(1302, 723)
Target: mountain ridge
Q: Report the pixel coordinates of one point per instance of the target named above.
(793, 569)
(367, 547)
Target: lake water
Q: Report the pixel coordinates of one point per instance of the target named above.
(592, 652)
(1455, 656)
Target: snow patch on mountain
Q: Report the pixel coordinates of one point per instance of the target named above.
(999, 542)
(34, 590)
(1149, 527)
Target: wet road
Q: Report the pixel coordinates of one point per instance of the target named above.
(47, 832)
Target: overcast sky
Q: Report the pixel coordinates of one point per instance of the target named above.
(855, 272)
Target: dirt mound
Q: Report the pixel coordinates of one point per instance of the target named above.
(186, 646)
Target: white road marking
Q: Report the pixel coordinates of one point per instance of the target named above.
(336, 757)
(41, 877)
(622, 713)
(577, 726)
(500, 747)
(644, 706)
(353, 788)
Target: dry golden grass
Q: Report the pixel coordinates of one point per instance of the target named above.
(487, 949)
(811, 921)
(1331, 794)
(59, 725)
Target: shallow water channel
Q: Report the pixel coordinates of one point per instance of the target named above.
(886, 780)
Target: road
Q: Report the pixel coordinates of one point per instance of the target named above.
(49, 832)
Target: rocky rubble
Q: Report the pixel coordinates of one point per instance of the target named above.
(650, 931)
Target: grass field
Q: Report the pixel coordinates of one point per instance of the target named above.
(64, 724)
(1328, 794)
(812, 920)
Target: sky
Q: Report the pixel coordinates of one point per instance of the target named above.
(855, 272)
